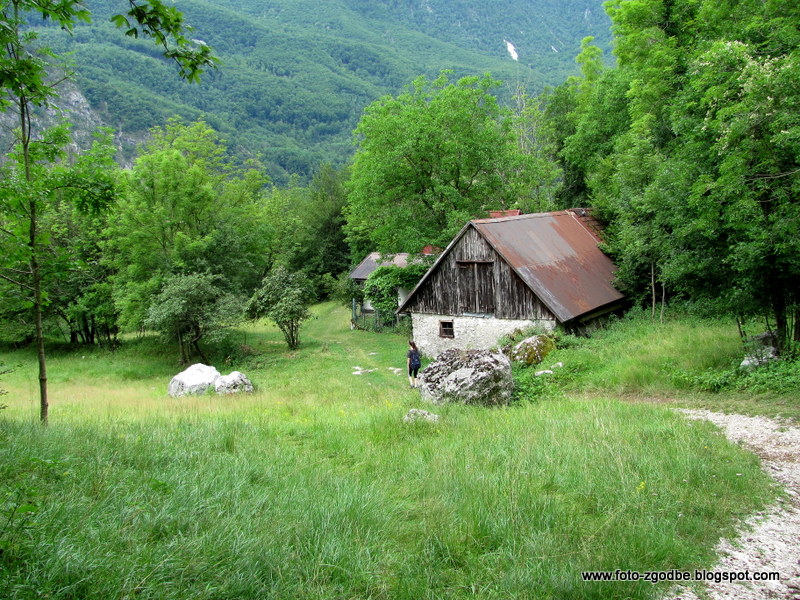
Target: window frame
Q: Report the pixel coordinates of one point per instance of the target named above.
(447, 329)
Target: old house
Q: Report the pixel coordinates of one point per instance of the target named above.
(371, 262)
(509, 273)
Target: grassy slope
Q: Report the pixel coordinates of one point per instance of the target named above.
(313, 487)
(677, 363)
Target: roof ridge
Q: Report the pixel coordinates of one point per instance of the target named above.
(520, 217)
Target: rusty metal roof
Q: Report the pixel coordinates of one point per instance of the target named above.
(375, 260)
(556, 255)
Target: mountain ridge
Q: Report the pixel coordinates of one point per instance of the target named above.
(295, 75)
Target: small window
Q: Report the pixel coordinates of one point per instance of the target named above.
(446, 329)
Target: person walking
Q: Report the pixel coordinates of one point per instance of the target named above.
(413, 362)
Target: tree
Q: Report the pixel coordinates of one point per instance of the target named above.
(690, 149)
(283, 299)
(192, 307)
(185, 210)
(538, 172)
(75, 278)
(428, 160)
(37, 174)
(323, 252)
(25, 84)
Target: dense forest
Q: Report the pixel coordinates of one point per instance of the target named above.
(686, 144)
(294, 75)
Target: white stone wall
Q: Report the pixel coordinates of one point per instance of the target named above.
(477, 333)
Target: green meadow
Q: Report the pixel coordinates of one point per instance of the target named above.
(314, 487)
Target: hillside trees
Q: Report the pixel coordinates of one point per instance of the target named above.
(694, 159)
(292, 90)
(428, 160)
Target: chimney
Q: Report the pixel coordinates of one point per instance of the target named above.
(499, 214)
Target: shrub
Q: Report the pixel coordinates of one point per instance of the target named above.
(191, 307)
(778, 376)
(781, 376)
(283, 298)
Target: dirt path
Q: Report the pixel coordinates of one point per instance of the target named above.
(769, 541)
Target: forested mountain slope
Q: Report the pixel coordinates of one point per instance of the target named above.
(296, 74)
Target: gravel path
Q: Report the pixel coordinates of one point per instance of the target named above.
(769, 541)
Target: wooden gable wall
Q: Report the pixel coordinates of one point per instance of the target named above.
(473, 279)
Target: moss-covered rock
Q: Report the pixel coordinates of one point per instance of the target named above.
(532, 350)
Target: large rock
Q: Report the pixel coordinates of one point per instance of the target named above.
(762, 348)
(468, 377)
(197, 379)
(234, 383)
(532, 350)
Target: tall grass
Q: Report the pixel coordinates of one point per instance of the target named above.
(686, 360)
(313, 487)
(638, 355)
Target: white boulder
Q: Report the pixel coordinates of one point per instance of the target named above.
(233, 383)
(197, 379)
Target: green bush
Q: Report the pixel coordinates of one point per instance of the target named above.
(779, 376)
(383, 283)
(283, 298)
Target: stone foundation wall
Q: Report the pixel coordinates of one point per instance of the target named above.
(478, 333)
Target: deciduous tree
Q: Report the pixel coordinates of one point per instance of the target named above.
(36, 176)
(25, 83)
(192, 307)
(185, 210)
(283, 298)
(700, 180)
(428, 160)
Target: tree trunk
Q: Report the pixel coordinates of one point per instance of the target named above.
(652, 291)
(200, 353)
(182, 348)
(781, 322)
(36, 273)
(37, 309)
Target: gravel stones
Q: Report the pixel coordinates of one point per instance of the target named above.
(768, 540)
